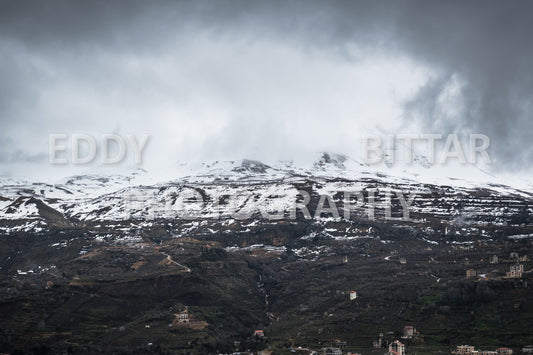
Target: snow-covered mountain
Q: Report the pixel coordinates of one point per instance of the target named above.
(248, 189)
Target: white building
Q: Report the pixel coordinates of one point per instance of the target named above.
(353, 295)
(396, 348)
(515, 271)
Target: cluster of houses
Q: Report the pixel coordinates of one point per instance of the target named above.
(409, 332)
(516, 271)
(470, 350)
(515, 257)
(512, 257)
(398, 348)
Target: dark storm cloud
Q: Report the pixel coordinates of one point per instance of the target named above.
(480, 51)
(488, 44)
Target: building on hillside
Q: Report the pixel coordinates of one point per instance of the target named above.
(515, 272)
(409, 332)
(183, 316)
(494, 259)
(513, 256)
(528, 349)
(330, 351)
(341, 344)
(353, 295)
(471, 273)
(464, 349)
(259, 333)
(396, 348)
(469, 350)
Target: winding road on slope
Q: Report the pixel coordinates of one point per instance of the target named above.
(169, 258)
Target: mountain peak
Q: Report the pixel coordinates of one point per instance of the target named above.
(253, 166)
(333, 159)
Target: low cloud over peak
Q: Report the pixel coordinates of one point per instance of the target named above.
(269, 80)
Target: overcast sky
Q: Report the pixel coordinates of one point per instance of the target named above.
(265, 80)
